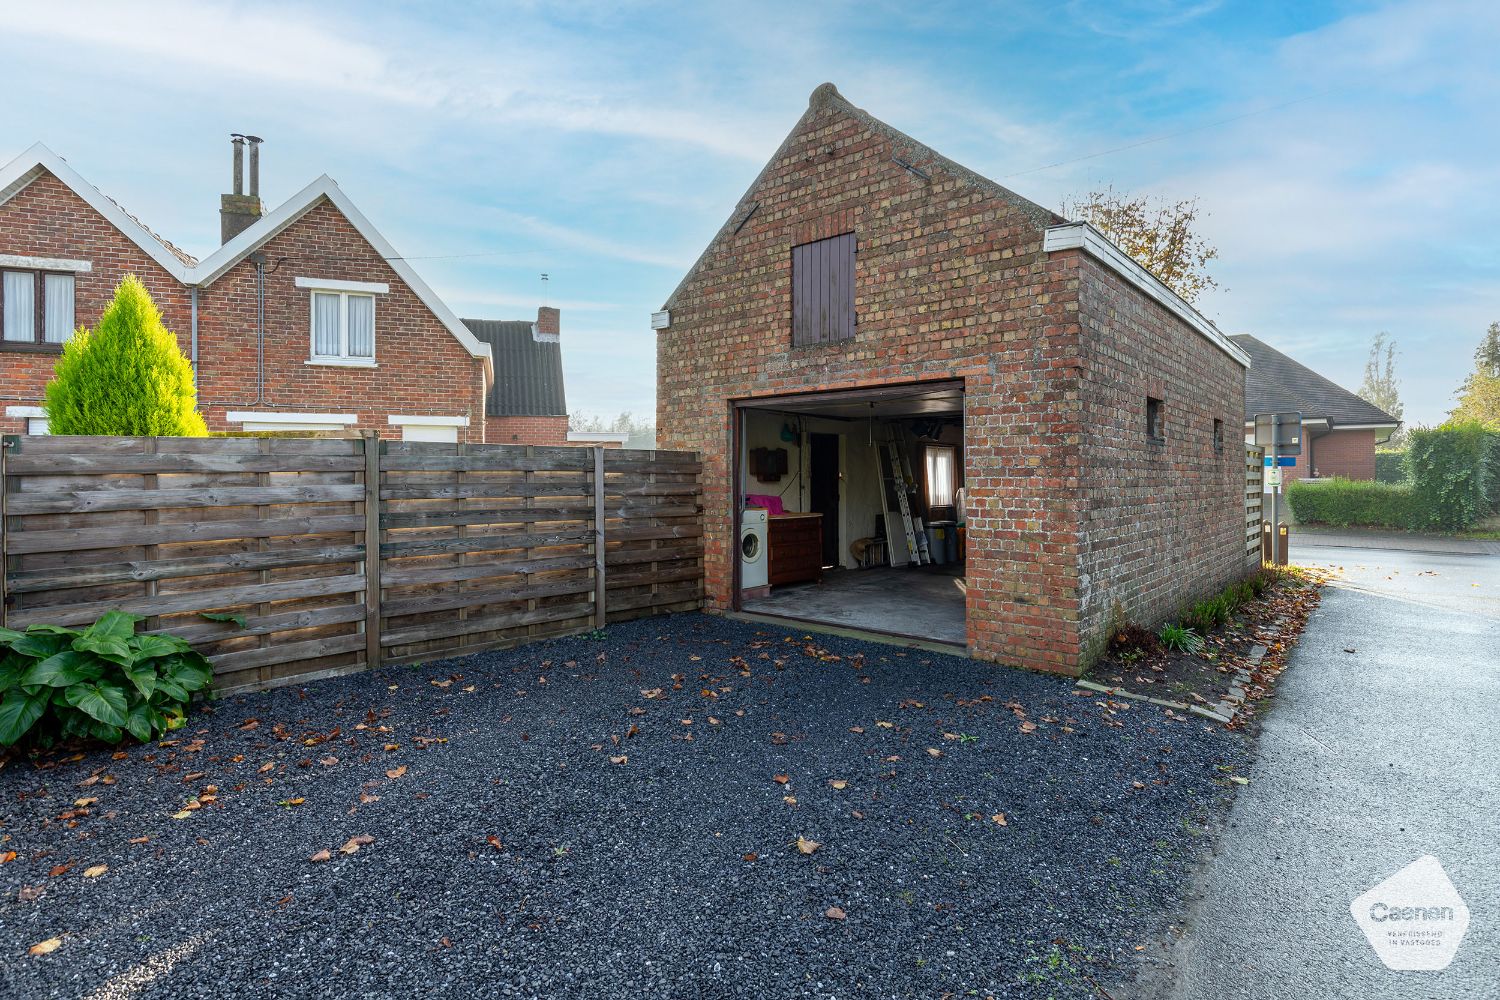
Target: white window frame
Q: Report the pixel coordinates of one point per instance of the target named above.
(35, 417)
(344, 290)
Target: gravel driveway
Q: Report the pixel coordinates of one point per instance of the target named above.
(518, 851)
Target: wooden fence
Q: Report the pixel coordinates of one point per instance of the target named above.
(325, 556)
(1254, 477)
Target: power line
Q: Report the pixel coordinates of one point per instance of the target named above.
(1171, 135)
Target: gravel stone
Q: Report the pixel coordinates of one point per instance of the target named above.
(672, 874)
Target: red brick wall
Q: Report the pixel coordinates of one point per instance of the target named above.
(951, 282)
(421, 369)
(527, 430)
(46, 219)
(1347, 453)
(1163, 522)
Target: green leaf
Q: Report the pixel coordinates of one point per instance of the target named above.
(104, 731)
(143, 676)
(104, 702)
(9, 635)
(106, 647)
(168, 690)
(18, 713)
(149, 647)
(189, 671)
(139, 721)
(10, 673)
(63, 669)
(225, 616)
(39, 644)
(114, 625)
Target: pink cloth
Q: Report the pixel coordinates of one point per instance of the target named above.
(770, 503)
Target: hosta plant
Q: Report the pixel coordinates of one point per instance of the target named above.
(102, 682)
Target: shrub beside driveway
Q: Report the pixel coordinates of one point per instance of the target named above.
(682, 807)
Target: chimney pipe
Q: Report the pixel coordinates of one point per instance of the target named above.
(239, 162)
(239, 211)
(254, 142)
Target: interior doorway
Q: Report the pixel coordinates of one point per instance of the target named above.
(862, 492)
(823, 481)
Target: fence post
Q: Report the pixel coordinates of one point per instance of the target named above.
(372, 549)
(601, 610)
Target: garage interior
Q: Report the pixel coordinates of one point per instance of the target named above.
(824, 535)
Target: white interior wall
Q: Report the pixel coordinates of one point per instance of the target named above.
(859, 496)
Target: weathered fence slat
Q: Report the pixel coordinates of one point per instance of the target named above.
(323, 556)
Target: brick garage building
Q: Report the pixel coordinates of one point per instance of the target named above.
(1339, 428)
(304, 319)
(867, 289)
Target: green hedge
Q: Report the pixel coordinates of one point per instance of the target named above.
(1390, 466)
(1455, 475)
(1347, 502)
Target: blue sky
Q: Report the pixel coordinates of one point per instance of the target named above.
(603, 143)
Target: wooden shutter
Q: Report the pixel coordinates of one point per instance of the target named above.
(823, 291)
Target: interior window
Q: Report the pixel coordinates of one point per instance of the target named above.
(941, 461)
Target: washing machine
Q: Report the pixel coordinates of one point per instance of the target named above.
(755, 554)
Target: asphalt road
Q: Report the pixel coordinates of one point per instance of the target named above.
(1383, 745)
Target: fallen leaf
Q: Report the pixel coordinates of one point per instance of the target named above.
(856, 729)
(806, 846)
(839, 784)
(1028, 727)
(790, 800)
(1239, 780)
(57, 870)
(269, 765)
(323, 855)
(934, 752)
(355, 843)
(140, 840)
(85, 803)
(752, 856)
(396, 772)
(621, 759)
(95, 871)
(999, 818)
(885, 725)
(30, 893)
(365, 798)
(778, 739)
(184, 814)
(289, 803)
(834, 913)
(780, 779)
(46, 947)
(392, 746)
(494, 842)
(328, 761)
(7, 857)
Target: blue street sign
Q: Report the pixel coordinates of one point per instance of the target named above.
(1284, 461)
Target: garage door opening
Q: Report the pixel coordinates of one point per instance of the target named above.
(851, 509)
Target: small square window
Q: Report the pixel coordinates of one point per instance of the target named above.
(343, 327)
(1218, 435)
(1156, 428)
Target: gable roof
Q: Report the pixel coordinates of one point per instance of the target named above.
(1276, 383)
(16, 175)
(1059, 233)
(529, 382)
(827, 96)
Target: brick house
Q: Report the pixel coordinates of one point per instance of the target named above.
(306, 318)
(873, 321)
(1339, 429)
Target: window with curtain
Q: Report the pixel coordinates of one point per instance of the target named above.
(36, 307)
(941, 475)
(343, 326)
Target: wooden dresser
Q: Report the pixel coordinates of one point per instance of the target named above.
(796, 542)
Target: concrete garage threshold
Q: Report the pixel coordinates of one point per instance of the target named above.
(924, 604)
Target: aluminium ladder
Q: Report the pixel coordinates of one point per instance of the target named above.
(895, 479)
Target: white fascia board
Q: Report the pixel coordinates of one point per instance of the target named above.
(1309, 422)
(45, 263)
(339, 285)
(402, 420)
(1367, 427)
(16, 175)
(1082, 236)
(262, 417)
(600, 437)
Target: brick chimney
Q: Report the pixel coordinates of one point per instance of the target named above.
(239, 211)
(548, 324)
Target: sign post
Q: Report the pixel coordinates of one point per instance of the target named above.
(1281, 435)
